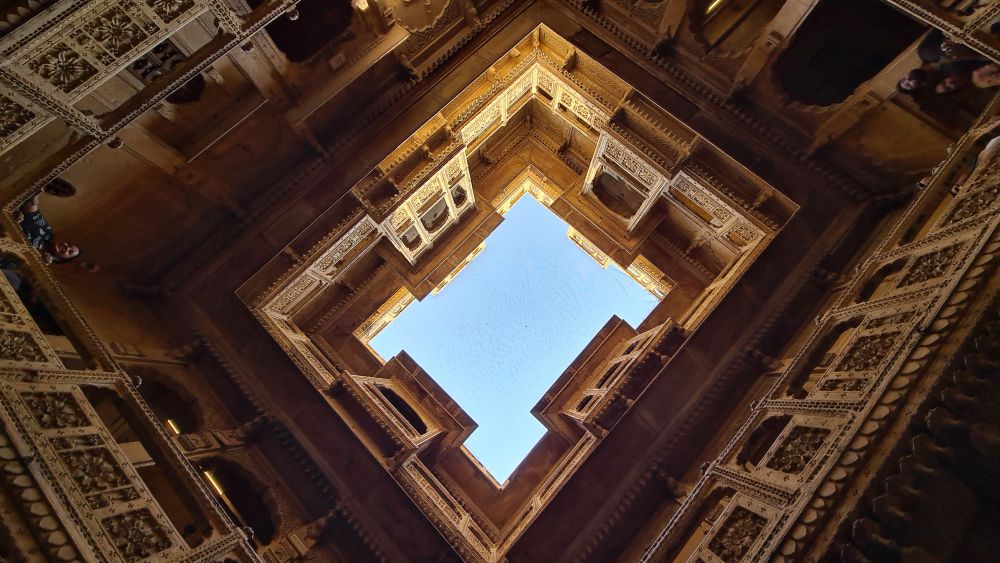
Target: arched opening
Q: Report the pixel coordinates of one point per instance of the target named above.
(411, 238)
(760, 440)
(842, 44)
(320, 23)
(881, 281)
(436, 216)
(404, 409)
(244, 496)
(173, 406)
(818, 361)
(733, 25)
(617, 195)
(459, 196)
(189, 92)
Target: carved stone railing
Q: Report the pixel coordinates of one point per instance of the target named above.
(777, 500)
(72, 482)
(18, 322)
(539, 76)
(972, 27)
(107, 501)
(58, 57)
(98, 500)
(732, 224)
(445, 510)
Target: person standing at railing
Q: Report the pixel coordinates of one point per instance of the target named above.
(39, 233)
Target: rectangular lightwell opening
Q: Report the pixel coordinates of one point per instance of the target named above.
(505, 327)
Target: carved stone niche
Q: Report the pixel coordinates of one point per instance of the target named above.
(740, 530)
(931, 265)
(867, 352)
(737, 534)
(418, 15)
(797, 449)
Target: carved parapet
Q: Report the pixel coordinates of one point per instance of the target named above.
(971, 26)
(27, 500)
(99, 493)
(441, 507)
(950, 461)
(669, 144)
(96, 494)
(68, 51)
(795, 455)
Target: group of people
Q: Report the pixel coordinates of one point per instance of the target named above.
(948, 66)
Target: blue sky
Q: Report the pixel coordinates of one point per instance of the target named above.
(507, 326)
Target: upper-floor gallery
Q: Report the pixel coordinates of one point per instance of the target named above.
(218, 212)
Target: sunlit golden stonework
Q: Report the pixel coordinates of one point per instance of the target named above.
(259, 187)
(427, 202)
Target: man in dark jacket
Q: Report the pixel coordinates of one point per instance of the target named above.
(39, 234)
